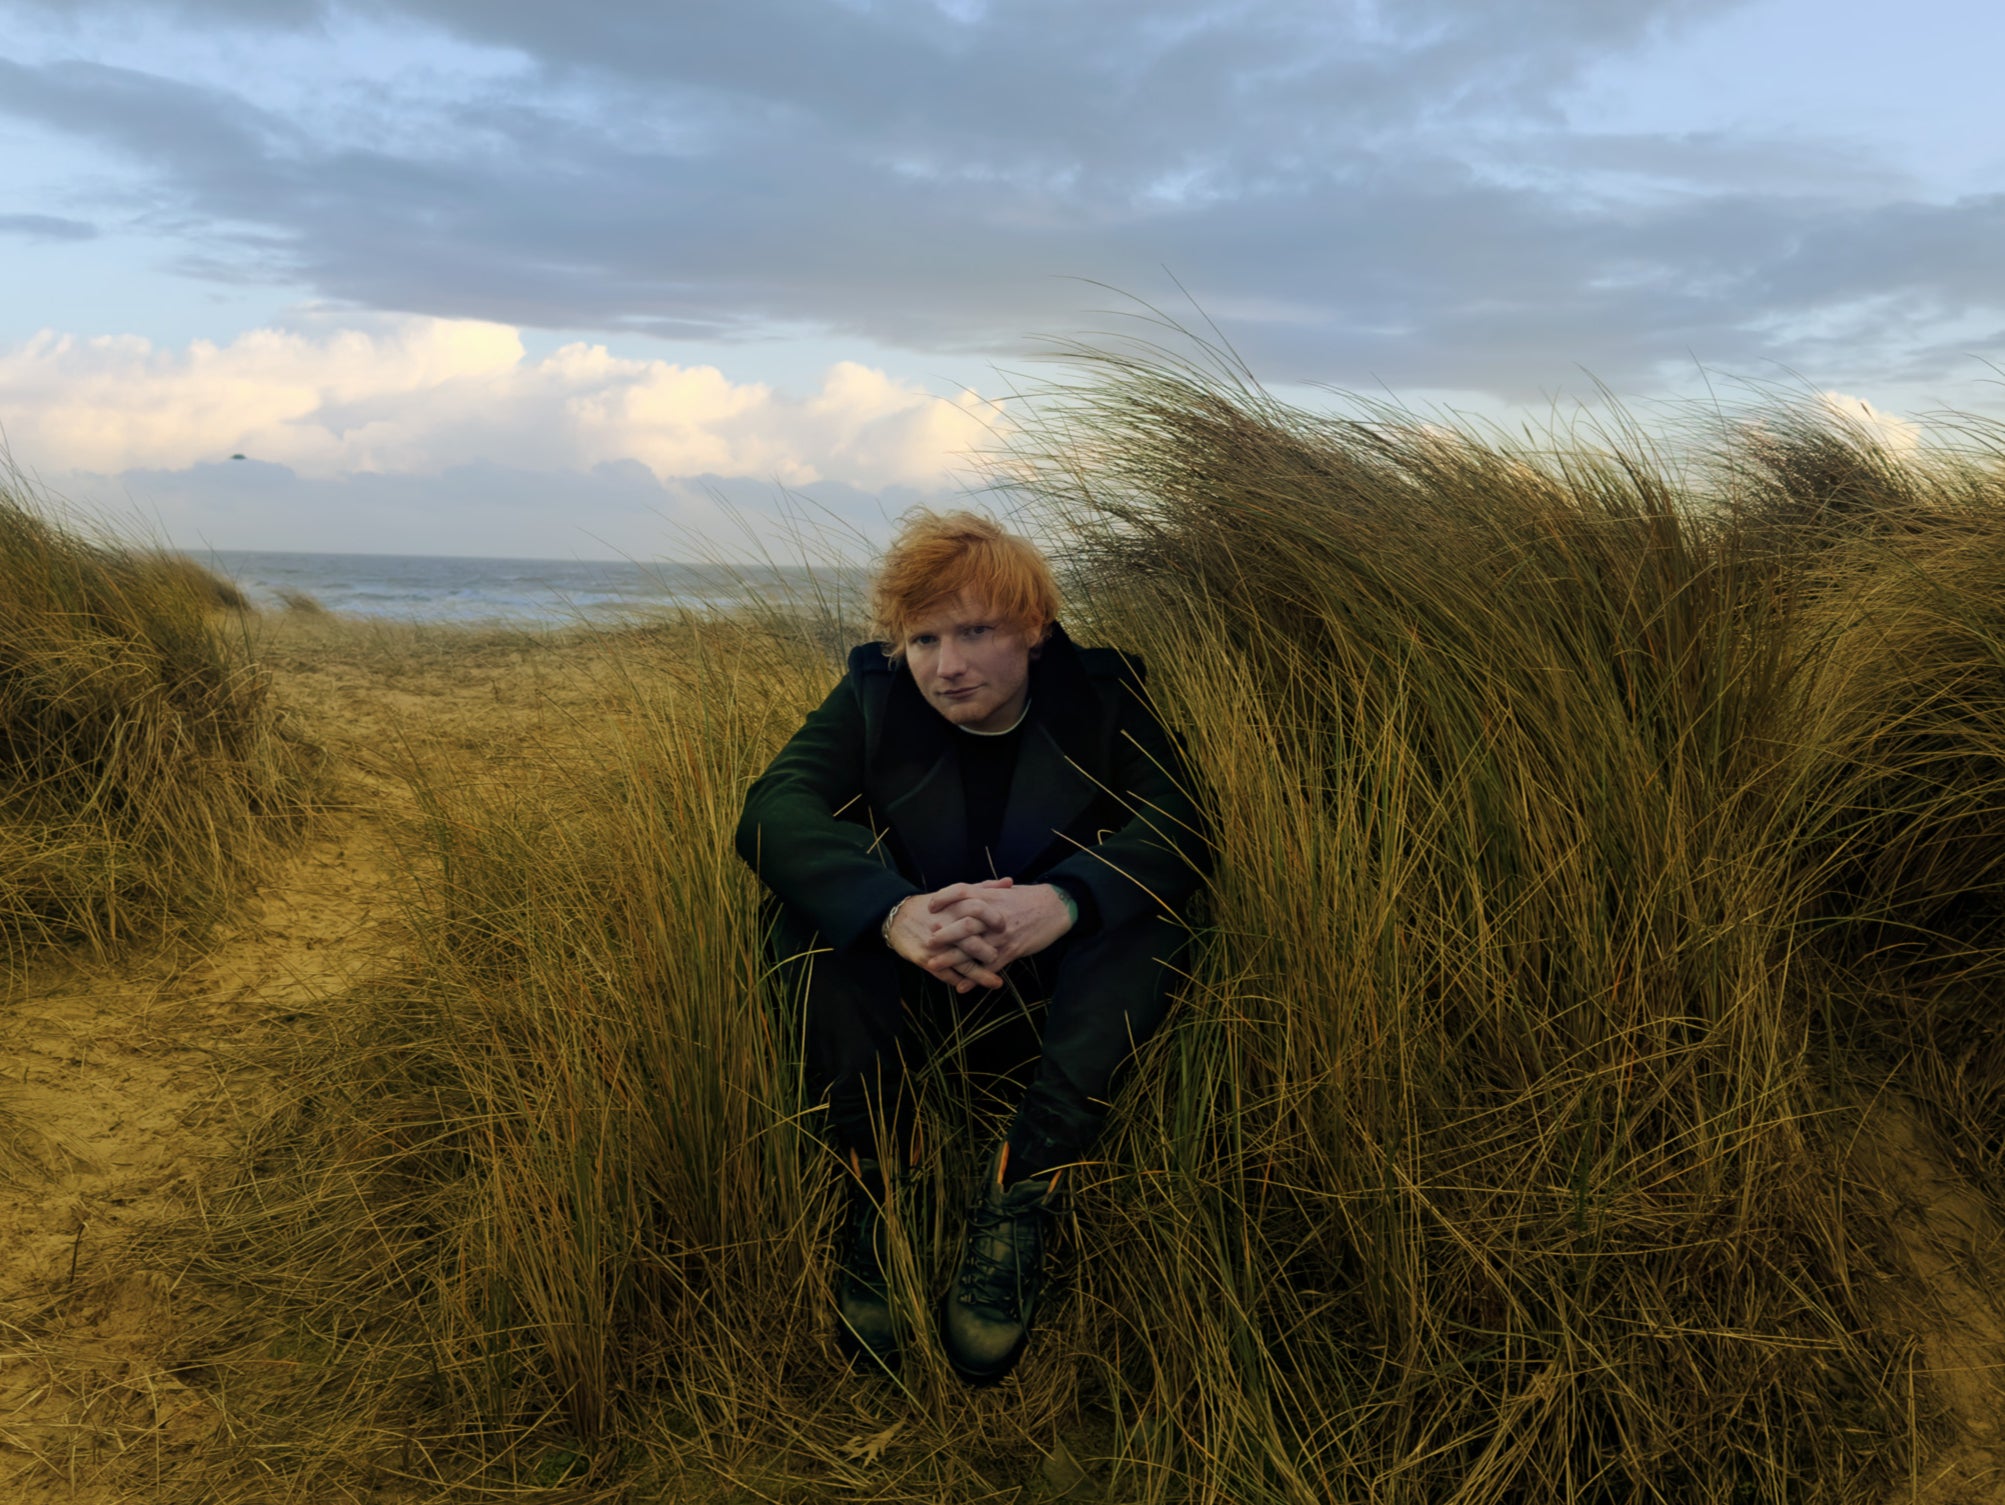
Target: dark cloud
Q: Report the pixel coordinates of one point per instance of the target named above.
(1360, 194)
(46, 227)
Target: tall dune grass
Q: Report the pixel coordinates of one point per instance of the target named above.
(1908, 735)
(1498, 1103)
(1561, 794)
(563, 1172)
(144, 771)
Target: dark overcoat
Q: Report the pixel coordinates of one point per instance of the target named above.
(864, 805)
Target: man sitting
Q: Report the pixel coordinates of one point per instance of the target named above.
(978, 801)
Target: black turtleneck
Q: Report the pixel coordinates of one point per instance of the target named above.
(987, 765)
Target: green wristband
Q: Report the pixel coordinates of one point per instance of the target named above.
(1071, 904)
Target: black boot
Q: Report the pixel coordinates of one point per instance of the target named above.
(988, 1312)
(866, 1330)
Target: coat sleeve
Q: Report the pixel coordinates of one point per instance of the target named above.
(1159, 854)
(830, 870)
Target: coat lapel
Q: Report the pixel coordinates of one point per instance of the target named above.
(1046, 795)
(916, 767)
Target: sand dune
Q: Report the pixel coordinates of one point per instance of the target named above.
(131, 1087)
(128, 1085)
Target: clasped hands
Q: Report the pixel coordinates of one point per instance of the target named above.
(966, 933)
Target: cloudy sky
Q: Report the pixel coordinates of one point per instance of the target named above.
(513, 277)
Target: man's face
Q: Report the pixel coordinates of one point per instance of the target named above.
(972, 668)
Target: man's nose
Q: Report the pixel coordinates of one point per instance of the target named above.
(951, 662)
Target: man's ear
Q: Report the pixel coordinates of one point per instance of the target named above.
(1043, 636)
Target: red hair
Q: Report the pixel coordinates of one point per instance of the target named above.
(938, 556)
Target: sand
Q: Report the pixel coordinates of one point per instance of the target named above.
(126, 1089)
(133, 1085)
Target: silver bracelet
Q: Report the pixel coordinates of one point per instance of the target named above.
(891, 914)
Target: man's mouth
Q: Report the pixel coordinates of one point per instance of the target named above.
(961, 693)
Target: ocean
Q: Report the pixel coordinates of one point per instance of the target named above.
(547, 592)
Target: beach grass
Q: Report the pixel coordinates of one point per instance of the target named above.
(145, 773)
(1603, 826)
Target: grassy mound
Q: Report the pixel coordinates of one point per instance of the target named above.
(144, 771)
(1498, 1104)
(1561, 798)
(1909, 733)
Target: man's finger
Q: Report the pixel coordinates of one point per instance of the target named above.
(963, 963)
(986, 966)
(986, 916)
(978, 950)
(963, 971)
(956, 931)
(955, 893)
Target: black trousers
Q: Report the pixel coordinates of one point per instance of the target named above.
(1052, 1041)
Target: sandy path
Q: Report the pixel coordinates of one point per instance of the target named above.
(125, 1086)
(129, 1084)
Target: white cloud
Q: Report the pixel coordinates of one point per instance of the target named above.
(1894, 434)
(418, 395)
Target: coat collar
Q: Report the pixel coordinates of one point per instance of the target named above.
(917, 759)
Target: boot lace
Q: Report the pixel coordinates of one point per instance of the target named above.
(1004, 1251)
(862, 1261)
